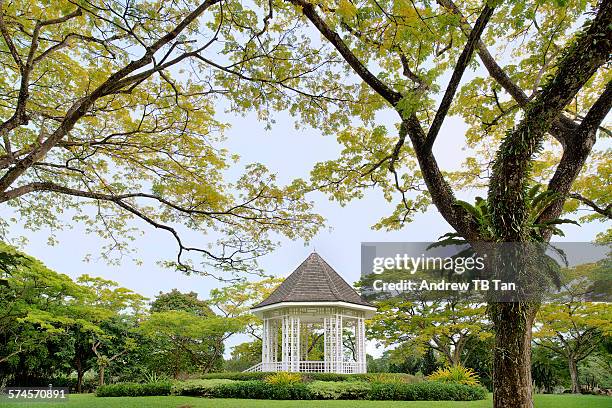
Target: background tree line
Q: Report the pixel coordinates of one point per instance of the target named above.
(54, 329)
(90, 331)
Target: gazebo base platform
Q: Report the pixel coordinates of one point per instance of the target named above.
(310, 367)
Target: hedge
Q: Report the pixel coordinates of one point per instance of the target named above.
(346, 390)
(237, 376)
(134, 389)
(254, 389)
(426, 391)
(199, 388)
(368, 377)
(261, 390)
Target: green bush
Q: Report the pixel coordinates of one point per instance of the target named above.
(199, 388)
(329, 377)
(394, 378)
(236, 376)
(349, 390)
(455, 374)
(134, 389)
(261, 390)
(426, 391)
(327, 390)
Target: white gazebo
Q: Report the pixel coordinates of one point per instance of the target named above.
(314, 299)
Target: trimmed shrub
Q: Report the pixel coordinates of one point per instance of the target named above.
(392, 378)
(262, 390)
(198, 388)
(426, 391)
(328, 390)
(134, 389)
(284, 378)
(350, 390)
(455, 374)
(236, 376)
(329, 377)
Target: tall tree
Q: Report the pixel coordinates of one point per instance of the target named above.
(187, 334)
(420, 320)
(422, 325)
(234, 302)
(538, 119)
(115, 311)
(572, 327)
(33, 315)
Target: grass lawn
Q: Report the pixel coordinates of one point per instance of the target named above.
(89, 400)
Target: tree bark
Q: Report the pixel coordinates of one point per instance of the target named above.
(101, 375)
(509, 213)
(512, 323)
(79, 384)
(573, 369)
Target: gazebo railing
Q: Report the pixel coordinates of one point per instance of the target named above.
(344, 367)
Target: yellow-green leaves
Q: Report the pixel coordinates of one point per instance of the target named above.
(147, 142)
(405, 9)
(410, 103)
(417, 325)
(181, 323)
(346, 9)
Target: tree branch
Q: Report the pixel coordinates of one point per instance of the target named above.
(462, 63)
(574, 156)
(441, 192)
(308, 9)
(605, 211)
(589, 50)
(562, 126)
(244, 211)
(81, 107)
(8, 40)
(14, 353)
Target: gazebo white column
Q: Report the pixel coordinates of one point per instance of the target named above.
(333, 347)
(291, 343)
(269, 345)
(360, 351)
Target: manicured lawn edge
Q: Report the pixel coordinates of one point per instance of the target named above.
(90, 401)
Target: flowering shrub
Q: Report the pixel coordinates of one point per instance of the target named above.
(455, 374)
(283, 378)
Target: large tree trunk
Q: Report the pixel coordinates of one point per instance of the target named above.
(512, 355)
(101, 374)
(79, 384)
(573, 369)
(510, 180)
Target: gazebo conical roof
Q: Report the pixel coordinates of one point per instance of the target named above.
(314, 281)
